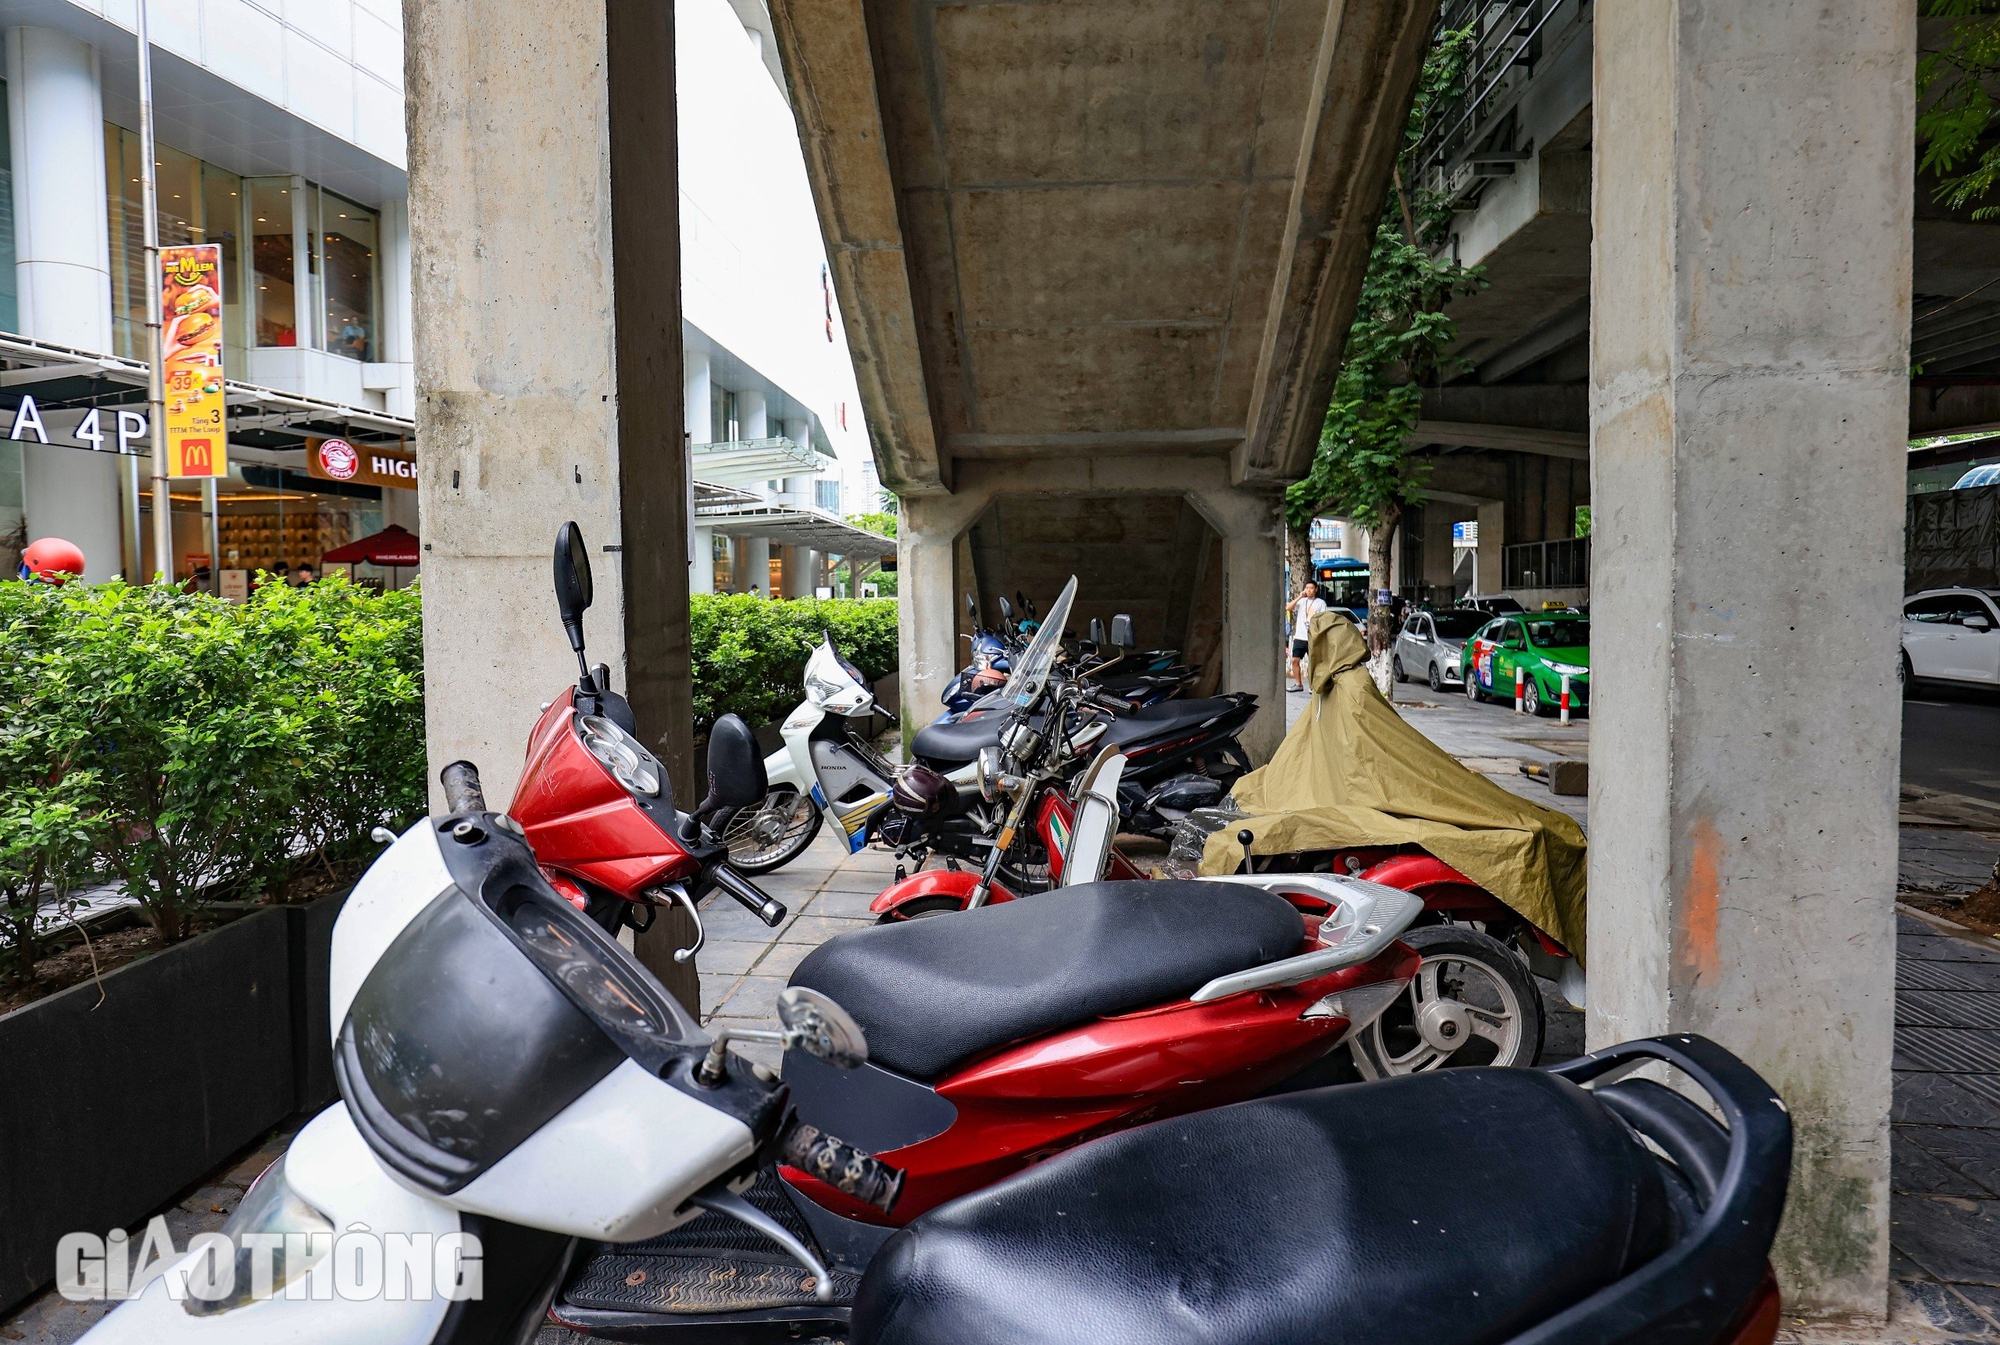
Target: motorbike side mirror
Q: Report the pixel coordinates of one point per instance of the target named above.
(971, 607)
(821, 1028)
(736, 776)
(1006, 608)
(1097, 635)
(573, 587)
(1121, 631)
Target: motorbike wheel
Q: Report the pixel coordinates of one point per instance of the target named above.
(1437, 682)
(1472, 1003)
(772, 834)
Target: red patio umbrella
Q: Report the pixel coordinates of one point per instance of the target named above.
(393, 547)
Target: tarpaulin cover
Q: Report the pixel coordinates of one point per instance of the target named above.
(1952, 540)
(1353, 772)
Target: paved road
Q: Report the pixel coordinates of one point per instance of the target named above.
(1951, 741)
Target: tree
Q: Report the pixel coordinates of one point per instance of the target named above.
(1955, 129)
(1395, 347)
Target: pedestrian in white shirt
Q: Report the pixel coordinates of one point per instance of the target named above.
(1302, 609)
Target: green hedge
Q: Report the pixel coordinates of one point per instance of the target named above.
(188, 748)
(750, 653)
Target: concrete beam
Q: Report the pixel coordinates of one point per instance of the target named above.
(1749, 402)
(1365, 68)
(1953, 409)
(824, 45)
(1572, 444)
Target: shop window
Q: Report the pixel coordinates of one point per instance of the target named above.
(198, 203)
(347, 255)
(725, 564)
(721, 415)
(273, 270)
(10, 309)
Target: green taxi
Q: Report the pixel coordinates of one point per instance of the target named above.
(1544, 646)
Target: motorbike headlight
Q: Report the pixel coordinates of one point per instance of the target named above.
(990, 774)
(623, 755)
(821, 690)
(272, 1209)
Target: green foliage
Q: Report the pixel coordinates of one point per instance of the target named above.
(885, 524)
(1956, 109)
(1396, 343)
(750, 653)
(187, 748)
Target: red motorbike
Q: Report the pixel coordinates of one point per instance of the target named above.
(994, 1038)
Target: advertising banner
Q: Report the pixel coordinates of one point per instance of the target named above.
(361, 464)
(191, 359)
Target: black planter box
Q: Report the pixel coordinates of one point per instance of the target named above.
(107, 1110)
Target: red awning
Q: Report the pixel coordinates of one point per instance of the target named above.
(393, 545)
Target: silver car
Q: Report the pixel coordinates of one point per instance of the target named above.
(1428, 647)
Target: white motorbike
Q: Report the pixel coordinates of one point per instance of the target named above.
(827, 770)
(514, 1081)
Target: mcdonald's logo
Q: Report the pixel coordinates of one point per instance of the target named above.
(197, 457)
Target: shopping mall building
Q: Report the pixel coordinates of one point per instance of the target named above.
(279, 130)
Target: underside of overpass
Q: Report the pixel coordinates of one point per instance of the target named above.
(1096, 258)
(1088, 250)
(1507, 434)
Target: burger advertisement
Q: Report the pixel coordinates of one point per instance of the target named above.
(191, 359)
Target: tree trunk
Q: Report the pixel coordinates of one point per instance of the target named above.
(1298, 560)
(1381, 626)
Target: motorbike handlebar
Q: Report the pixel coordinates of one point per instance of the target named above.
(766, 908)
(851, 1171)
(462, 793)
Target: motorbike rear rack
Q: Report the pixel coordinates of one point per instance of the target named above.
(1372, 916)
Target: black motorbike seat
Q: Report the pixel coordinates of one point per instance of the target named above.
(958, 742)
(1164, 719)
(1452, 1208)
(932, 993)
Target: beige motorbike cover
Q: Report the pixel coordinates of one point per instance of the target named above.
(1353, 772)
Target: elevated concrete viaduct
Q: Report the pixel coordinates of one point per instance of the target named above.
(1097, 252)
(1095, 260)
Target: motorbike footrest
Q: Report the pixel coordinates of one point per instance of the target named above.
(622, 1282)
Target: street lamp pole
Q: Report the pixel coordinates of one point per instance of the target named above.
(156, 397)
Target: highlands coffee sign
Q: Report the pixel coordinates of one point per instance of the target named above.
(361, 464)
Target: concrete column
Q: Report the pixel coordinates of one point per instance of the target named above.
(926, 608)
(757, 566)
(1749, 403)
(1253, 602)
(752, 421)
(1492, 575)
(702, 578)
(62, 271)
(797, 561)
(694, 365)
(549, 379)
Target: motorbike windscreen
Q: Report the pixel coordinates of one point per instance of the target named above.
(483, 1019)
(1031, 670)
(833, 683)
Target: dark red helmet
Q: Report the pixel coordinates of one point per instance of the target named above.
(921, 790)
(52, 560)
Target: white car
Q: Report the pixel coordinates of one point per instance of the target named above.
(1952, 635)
(1429, 646)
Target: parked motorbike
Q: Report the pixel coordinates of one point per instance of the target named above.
(827, 769)
(1179, 753)
(1577, 1209)
(508, 1069)
(596, 804)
